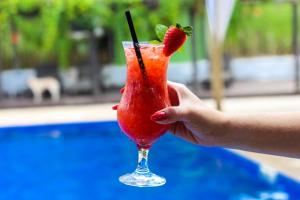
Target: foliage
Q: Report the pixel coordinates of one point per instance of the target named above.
(46, 36)
(260, 28)
(256, 28)
(145, 20)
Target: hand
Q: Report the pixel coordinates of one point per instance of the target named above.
(191, 119)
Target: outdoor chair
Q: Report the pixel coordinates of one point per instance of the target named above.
(14, 82)
(75, 80)
(39, 85)
(113, 76)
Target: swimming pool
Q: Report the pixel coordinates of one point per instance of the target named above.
(80, 161)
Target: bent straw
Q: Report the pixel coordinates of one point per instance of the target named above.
(135, 42)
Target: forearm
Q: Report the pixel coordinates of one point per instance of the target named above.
(266, 133)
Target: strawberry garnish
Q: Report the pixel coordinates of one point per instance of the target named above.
(174, 38)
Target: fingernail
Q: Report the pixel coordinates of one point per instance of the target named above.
(115, 107)
(158, 116)
(122, 90)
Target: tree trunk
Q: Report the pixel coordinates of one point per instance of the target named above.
(94, 65)
(1, 92)
(295, 43)
(203, 37)
(194, 53)
(16, 63)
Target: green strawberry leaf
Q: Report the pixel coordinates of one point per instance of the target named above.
(160, 31)
(188, 30)
(178, 26)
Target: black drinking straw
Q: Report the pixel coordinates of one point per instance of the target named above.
(135, 42)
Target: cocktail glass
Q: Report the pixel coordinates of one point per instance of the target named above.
(145, 93)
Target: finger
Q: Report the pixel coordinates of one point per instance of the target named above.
(182, 91)
(168, 115)
(177, 86)
(115, 107)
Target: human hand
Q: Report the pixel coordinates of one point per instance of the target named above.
(191, 119)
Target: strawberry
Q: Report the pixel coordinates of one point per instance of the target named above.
(174, 38)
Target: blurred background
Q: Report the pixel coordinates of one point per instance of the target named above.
(70, 52)
(61, 67)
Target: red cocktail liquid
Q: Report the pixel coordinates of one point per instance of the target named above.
(145, 93)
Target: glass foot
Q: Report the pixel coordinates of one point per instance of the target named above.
(142, 179)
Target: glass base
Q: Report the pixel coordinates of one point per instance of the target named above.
(142, 179)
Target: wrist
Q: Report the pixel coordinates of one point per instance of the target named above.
(222, 130)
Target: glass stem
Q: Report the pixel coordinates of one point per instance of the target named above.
(142, 167)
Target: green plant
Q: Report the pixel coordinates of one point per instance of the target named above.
(260, 28)
(44, 26)
(46, 36)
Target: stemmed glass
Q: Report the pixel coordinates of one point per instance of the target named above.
(145, 93)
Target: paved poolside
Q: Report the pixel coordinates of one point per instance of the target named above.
(100, 112)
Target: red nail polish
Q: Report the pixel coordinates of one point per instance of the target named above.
(122, 90)
(158, 116)
(115, 107)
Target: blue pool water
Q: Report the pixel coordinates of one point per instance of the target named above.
(84, 160)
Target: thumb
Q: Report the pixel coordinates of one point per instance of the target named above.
(167, 115)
